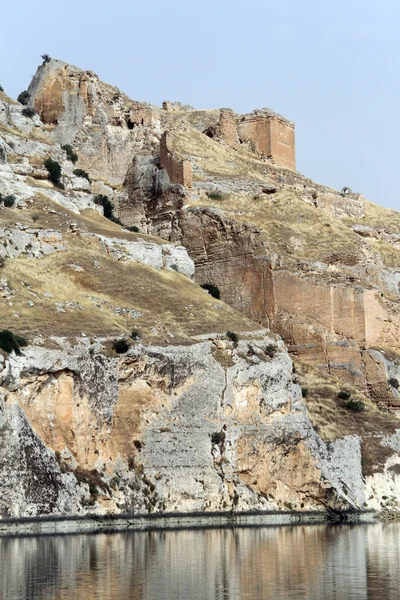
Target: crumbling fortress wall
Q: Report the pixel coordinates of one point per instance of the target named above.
(179, 171)
(227, 129)
(143, 114)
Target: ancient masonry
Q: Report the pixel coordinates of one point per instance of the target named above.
(143, 114)
(270, 135)
(179, 171)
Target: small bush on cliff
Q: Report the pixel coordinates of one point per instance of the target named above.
(28, 112)
(24, 97)
(215, 195)
(394, 383)
(71, 155)
(355, 405)
(11, 342)
(212, 290)
(81, 173)
(133, 228)
(344, 395)
(46, 58)
(233, 337)
(135, 335)
(270, 350)
(54, 170)
(121, 346)
(108, 208)
(1, 88)
(9, 201)
(218, 438)
(304, 392)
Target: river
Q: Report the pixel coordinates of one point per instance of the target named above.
(310, 562)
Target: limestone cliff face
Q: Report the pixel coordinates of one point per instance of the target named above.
(83, 111)
(194, 428)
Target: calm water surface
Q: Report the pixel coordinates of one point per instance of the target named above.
(303, 562)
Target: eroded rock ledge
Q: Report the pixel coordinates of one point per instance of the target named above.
(207, 427)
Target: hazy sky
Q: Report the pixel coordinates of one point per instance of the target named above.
(332, 66)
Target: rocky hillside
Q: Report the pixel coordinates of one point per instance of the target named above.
(124, 385)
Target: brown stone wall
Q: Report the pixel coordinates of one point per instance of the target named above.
(226, 129)
(143, 114)
(273, 138)
(179, 171)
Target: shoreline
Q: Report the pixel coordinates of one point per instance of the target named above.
(53, 525)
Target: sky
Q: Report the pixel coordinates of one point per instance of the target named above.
(331, 66)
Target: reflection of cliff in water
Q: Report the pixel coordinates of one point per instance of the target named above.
(303, 562)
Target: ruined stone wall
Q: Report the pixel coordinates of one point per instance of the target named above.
(271, 137)
(143, 114)
(179, 171)
(226, 129)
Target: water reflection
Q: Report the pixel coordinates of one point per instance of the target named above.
(304, 562)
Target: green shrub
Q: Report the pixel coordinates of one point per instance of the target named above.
(9, 201)
(1, 88)
(212, 289)
(215, 195)
(121, 346)
(105, 202)
(54, 170)
(270, 350)
(28, 112)
(71, 155)
(218, 438)
(81, 173)
(24, 97)
(10, 342)
(233, 337)
(46, 58)
(135, 335)
(355, 405)
(394, 383)
(304, 392)
(344, 395)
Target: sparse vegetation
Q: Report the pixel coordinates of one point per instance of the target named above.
(135, 335)
(11, 342)
(82, 173)
(46, 58)
(108, 208)
(304, 392)
(1, 88)
(218, 438)
(24, 98)
(133, 228)
(215, 195)
(28, 112)
(343, 395)
(394, 383)
(121, 346)
(233, 337)
(270, 350)
(355, 405)
(9, 201)
(54, 169)
(212, 290)
(71, 155)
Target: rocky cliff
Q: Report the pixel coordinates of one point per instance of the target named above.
(138, 391)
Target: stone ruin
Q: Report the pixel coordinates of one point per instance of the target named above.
(179, 171)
